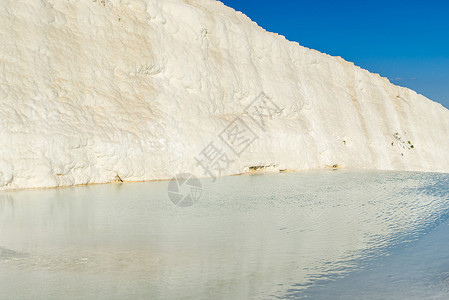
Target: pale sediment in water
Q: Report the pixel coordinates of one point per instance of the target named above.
(247, 237)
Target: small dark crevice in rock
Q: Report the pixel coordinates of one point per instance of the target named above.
(118, 179)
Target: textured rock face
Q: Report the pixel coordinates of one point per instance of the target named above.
(97, 91)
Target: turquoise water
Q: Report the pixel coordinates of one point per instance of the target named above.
(317, 235)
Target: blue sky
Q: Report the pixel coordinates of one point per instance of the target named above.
(406, 41)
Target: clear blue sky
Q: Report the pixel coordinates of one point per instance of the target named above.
(405, 41)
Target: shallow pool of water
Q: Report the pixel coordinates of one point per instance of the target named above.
(318, 235)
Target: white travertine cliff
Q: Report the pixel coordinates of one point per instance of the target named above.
(96, 91)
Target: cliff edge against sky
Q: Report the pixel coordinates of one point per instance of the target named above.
(132, 90)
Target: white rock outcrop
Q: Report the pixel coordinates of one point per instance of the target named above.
(97, 91)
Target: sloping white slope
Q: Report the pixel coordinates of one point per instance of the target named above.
(94, 89)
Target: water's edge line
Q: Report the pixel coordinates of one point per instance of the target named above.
(3, 190)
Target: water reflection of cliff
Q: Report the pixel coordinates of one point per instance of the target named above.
(249, 236)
